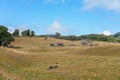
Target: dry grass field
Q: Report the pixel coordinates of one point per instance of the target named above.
(30, 58)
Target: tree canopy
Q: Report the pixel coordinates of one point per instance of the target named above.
(16, 33)
(5, 37)
(116, 34)
(27, 33)
(94, 37)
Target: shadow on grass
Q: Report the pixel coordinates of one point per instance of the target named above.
(14, 47)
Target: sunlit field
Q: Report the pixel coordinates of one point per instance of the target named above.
(28, 58)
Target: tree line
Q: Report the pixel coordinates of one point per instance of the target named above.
(94, 37)
(6, 37)
(24, 33)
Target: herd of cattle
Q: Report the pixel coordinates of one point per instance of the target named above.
(57, 44)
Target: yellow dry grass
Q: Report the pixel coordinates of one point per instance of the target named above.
(30, 59)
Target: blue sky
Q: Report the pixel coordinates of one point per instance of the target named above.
(69, 17)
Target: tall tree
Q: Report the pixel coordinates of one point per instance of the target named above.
(57, 35)
(25, 33)
(32, 33)
(16, 33)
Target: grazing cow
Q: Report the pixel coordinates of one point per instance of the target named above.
(60, 44)
(57, 44)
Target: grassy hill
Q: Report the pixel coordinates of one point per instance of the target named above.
(30, 58)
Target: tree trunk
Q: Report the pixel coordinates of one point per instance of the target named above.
(4, 44)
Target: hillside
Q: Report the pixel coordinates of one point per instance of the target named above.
(30, 58)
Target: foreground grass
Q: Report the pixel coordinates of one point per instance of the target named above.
(31, 58)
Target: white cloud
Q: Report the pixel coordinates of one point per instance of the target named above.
(56, 27)
(22, 27)
(10, 29)
(106, 32)
(105, 4)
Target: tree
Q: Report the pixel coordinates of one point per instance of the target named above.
(116, 34)
(57, 35)
(25, 33)
(32, 33)
(5, 37)
(28, 33)
(16, 33)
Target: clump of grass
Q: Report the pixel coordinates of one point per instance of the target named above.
(1, 78)
(9, 79)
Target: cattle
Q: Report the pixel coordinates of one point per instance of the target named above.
(57, 44)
